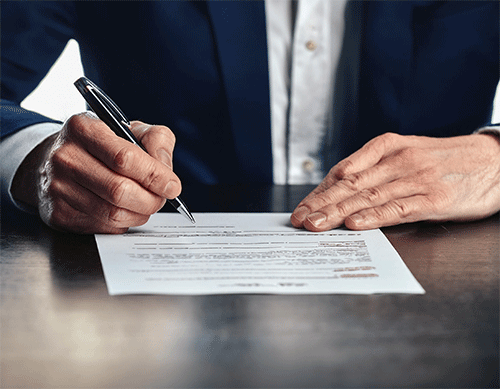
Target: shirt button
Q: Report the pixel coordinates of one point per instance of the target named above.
(311, 45)
(308, 165)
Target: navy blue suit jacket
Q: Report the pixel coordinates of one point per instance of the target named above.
(423, 67)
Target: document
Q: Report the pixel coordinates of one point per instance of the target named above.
(234, 253)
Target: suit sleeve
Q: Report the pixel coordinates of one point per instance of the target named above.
(34, 33)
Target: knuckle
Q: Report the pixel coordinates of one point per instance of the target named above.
(122, 160)
(438, 202)
(56, 214)
(388, 138)
(330, 197)
(413, 158)
(63, 157)
(408, 154)
(342, 169)
(380, 213)
(60, 157)
(115, 216)
(75, 121)
(117, 190)
(80, 125)
(427, 176)
(322, 200)
(352, 182)
(154, 206)
(386, 141)
(159, 134)
(343, 209)
(371, 195)
(54, 190)
(402, 209)
(316, 203)
(153, 179)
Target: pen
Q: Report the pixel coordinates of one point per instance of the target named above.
(115, 119)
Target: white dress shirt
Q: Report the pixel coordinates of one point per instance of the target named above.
(303, 54)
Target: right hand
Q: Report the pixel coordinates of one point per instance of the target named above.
(86, 179)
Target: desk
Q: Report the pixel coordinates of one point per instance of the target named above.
(60, 328)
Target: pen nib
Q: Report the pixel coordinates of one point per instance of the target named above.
(182, 209)
(188, 215)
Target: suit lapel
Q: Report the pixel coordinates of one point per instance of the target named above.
(345, 105)
(240, 33)
(377, 46)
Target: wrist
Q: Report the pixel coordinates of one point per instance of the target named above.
(25, 184)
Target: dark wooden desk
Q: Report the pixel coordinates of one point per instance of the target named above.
(60, 328)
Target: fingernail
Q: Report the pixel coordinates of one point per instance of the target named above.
(172, 187)
(164, 157)
(357, 219)
(301, 213)
(317, 219)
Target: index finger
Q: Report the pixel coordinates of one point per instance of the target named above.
(350, 168)
(367, 156)
(127, 159)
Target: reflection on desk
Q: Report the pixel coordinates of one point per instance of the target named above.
(60, 328)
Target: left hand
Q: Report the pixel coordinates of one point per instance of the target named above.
(397, 179)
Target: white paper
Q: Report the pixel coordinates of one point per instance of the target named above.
(230, 253)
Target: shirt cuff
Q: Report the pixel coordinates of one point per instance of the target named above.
(494, 130)
(15, 148)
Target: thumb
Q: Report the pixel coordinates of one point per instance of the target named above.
(158, 140)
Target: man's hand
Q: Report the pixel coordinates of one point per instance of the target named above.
(397, 179)
(86, 179)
